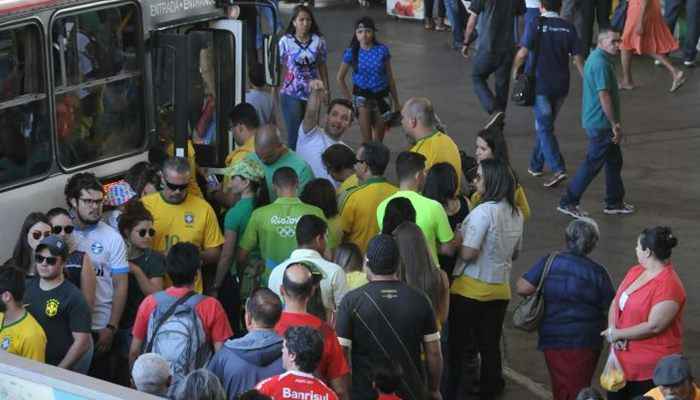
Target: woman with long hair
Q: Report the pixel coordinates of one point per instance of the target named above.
(373, 87)
(321, 193)
(441, 186)
(349, 257)
(35, 227)
(248, 182)
(645, 321)
(491, 144)
(418, 270)
(78, 268)
(303, 53)
(492, 233)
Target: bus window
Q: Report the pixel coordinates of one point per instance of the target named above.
(99, 84)
(24, 125)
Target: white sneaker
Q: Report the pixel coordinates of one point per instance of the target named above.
(572, 211)
(657, 63)
(623, 208)
(689, 63)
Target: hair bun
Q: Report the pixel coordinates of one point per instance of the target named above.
(668, 237)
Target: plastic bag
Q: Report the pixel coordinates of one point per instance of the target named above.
(613, 377)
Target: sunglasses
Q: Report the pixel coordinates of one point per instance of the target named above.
(39, 234)
(175, 187)
(41, 259)
(151, 232)
(57, 229)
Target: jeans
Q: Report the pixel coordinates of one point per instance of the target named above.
(430, 4)
(546, 145)
(498, 64)
(476, 326)
(590, 10)
(457, 16)
(82, 366)
(692, 17)
(602, 152)
(293, 110)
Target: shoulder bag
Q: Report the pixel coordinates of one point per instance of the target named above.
(528, 313)
(524, 84)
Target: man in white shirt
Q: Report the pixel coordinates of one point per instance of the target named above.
(313, 139)
(311, 239)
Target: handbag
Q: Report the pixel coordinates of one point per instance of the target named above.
(524, 84)
(529, 312)
(617, 22)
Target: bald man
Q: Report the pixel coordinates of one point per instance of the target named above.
(420, 124)
(273, 154)
(298, 285)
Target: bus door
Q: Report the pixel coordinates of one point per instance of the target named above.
(197, 82)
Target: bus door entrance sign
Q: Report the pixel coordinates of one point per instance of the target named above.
(164, 12)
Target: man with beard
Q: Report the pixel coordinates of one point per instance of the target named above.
(107, 251)
(181, 217)
(313, 139)
(59, 307)
(20, 333)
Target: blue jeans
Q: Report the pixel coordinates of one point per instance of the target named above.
(457, 16)
(692, 17)
(602, 152)
(546, 145)
(293, 110)
(498, 64)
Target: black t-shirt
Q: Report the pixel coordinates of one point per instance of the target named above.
(74, 267)
(496, 23)
(60, 311)
(360, 324)
(447, 263)
(152, 264)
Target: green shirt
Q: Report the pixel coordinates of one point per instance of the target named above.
(272, 229)
(236, 220)
(430, 217)
(598, 75)
(289, 159)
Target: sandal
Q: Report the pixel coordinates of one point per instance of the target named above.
(429, 25)
(678, 82)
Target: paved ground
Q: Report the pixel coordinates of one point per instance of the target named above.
(661, 154)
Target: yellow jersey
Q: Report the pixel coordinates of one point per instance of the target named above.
(237, 154)
(351, 182)
(439, 147)
(24, 337)
(192, 221)
(358, 211)
(192, 186)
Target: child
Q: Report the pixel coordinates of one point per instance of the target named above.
(386, 381)
(259, 96)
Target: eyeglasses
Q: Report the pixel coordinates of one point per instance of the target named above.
(57, 229)
(93, 202)
(151, 232)
(175, 187)
(41, 259)
(37, 235)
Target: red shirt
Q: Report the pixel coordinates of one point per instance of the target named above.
(384, 396)
(296, 385)
(210, 311)
(641, 356)
(333, 364)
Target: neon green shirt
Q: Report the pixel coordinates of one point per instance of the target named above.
(430, 217)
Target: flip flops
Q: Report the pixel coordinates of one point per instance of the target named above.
(678, 82)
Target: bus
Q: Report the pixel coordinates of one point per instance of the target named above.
(92, 85)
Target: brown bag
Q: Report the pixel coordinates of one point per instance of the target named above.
(528, 313)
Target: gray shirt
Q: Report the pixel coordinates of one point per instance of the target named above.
(496, 23)
(263, 104)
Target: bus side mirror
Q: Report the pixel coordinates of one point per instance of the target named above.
(271, 59)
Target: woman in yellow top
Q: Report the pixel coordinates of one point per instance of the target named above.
(349, 258)
(490, 144)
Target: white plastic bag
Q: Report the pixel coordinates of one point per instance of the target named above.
(613, 377)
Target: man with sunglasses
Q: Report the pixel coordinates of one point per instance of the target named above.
(181, 217)
(60, 308)
(20, 333)
(107, 252)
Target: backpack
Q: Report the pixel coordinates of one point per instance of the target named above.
(176, 332)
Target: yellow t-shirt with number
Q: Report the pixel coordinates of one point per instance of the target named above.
(192, 221)
(24, 337)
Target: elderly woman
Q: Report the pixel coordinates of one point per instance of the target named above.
(645, 322)
(577, 294)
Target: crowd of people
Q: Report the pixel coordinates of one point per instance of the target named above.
(307, 274)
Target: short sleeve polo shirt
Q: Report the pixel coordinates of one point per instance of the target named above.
(599, 75)
(439, 147)
(358, 217)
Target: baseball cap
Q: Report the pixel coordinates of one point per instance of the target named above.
(55, 245)
(672, 370)
(119, 193)
(249, 169)
(382, 255)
